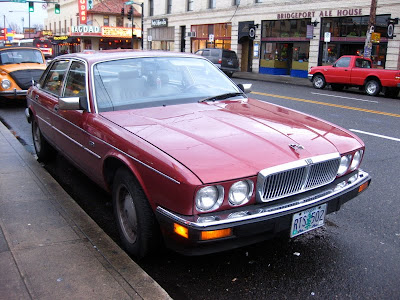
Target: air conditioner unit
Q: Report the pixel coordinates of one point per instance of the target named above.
(191, 34)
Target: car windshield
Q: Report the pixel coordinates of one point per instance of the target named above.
(18, 56)
(158, 81)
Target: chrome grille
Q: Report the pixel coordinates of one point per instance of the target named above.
(297, 177)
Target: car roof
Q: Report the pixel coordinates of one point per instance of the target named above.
(93, 56)
(17, 47)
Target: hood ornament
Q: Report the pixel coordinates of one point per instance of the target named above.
(296, 147)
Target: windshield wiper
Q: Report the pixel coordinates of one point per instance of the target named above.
(221, 97)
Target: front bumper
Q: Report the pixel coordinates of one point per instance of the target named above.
(310, 76)
(14, 93)
(255, 223)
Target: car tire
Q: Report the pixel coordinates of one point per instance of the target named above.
(337, 87)
(372, 87)
(136, 223)
(318, 81)
(44, 151)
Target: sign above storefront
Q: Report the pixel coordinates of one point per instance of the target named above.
(120, 32)
(85, 30)
(60, 37)
(159, 22)
(321, 14)
(47, 32)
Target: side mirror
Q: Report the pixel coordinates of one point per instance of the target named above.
(246, 87)
(72, 103)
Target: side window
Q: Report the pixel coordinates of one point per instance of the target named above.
(76, 81)
(206, 53)
(359, 63)
(54, 79)
(366, 64)
(343, 62)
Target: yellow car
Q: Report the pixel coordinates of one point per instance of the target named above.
(18, 67)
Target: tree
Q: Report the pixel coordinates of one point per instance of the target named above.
(38, 27)
(15, 27)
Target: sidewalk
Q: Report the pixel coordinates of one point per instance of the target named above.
(273, 78)
(49, 247)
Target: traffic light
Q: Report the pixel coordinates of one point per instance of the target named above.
(31, 7)
(130, 13)
(57, 9)
(122, 12)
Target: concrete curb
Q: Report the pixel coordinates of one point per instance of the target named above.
(136, 283)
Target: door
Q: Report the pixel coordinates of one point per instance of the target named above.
(245, 57)
(340, 72)
(72, 125)
(45, 98)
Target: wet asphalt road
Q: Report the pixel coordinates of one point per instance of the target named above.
(355, 256)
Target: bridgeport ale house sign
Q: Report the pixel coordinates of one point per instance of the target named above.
(322, 13)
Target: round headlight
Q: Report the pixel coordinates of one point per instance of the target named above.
(209, 198)
(344, 164)
(356, 160)
(240, 192)
(5, 84)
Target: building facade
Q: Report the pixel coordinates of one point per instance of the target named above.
(275, 37)
(100, 27)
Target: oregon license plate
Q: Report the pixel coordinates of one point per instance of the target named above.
(307, 220)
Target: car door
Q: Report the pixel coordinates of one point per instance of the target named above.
(358, 73)
(71, 125)
(45, 97)
(340, 72)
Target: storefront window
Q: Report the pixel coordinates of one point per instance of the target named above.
(106, 20)
(353, 26)
(120, 22)
(285, 28)
(330, 54)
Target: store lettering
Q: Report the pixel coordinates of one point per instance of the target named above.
(90, 29)
(322, 13)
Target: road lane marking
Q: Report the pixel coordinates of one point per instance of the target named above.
(329, 104)
(350, 98)
(375, 134)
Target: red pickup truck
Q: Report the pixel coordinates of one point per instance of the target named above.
(356, 71)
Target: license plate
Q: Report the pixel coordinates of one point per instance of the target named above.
(307, 220)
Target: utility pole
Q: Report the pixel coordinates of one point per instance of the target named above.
(371, 28)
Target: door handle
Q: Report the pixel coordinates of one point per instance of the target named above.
(36, 97)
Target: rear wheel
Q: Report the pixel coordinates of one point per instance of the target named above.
(372, 87)
(44, 151)
(135, 219)
(318, 81)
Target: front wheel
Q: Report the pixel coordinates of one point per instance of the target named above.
(44, 151)
(372, 87)
(135, 219)
(318, 81)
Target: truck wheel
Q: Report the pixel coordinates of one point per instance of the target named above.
(318, 81)
(44, 151)
(337, 87)
(136, 223)
(372, 87)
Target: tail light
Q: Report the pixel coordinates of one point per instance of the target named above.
(220, 61)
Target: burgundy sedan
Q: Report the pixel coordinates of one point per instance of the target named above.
(189, 159)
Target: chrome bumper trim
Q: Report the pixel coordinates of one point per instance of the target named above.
(249, 213)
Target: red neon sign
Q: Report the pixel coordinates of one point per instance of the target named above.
(82, 11)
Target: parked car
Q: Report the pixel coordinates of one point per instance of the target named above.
(356, 71)
(226, 60)
(18, 67)
(189, 159)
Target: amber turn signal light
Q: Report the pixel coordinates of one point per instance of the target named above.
(215, 234)
(182, 231)
(362, 187)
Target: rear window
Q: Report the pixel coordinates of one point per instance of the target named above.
(229, 54)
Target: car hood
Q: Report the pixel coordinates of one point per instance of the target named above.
(233, 139)
(15, 67)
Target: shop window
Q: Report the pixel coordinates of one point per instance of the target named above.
(258, 1)
(353, 26)
(236, 2)
(285, 28)
(106, 20)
